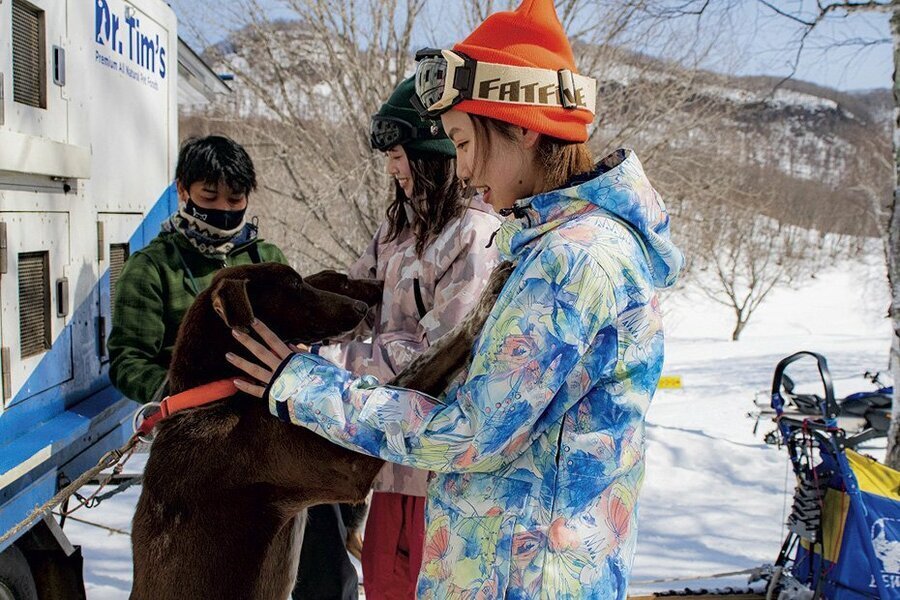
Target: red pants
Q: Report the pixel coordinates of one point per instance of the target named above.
(392, 546)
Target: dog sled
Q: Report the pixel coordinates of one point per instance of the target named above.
(843, 540)
(864, 415)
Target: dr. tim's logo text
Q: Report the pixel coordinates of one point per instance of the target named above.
(122, 34)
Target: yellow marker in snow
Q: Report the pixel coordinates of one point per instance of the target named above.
(669, 382)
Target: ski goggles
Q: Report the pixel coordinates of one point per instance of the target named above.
(388, 132)
(445, 78)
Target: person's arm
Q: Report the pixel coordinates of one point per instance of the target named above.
(365, 266)
(137, 331)
(536, 358)
(455, 293)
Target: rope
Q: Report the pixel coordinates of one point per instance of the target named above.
(92, 501)
(698, 577)
(130, 482)
(98, 525)
(110, 459)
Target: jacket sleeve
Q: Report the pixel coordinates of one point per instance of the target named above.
(277, 256)
(138, 330)
(540, 352)
(455, 293)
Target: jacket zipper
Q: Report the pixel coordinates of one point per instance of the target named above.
(555, 480)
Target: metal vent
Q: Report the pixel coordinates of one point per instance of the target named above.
(29, 86)
(34, 303)
(118, 253)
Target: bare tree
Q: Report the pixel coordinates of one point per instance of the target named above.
(807, 22)
(748, 232)
(893, 250)
(753, 255)
(309, 75)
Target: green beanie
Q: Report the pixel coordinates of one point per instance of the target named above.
(399, 107)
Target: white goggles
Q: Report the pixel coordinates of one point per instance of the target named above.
(445, 78)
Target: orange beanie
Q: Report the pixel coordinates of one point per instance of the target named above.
(530, 36)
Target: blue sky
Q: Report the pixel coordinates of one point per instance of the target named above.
(753, 40)
(833, 55)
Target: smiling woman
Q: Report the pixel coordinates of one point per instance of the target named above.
(539, 452)
(431, 253)
(397, 166)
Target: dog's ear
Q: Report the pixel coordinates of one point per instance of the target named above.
(364, 290)
(327, 280)
(369, 291)
(230, 301)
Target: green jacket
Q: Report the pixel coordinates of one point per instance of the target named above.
(152, 295)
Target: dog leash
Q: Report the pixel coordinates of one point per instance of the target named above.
(113, 458)
(116, 459)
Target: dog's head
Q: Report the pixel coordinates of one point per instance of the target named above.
(274, 294)
(194, 441)
(295, 309)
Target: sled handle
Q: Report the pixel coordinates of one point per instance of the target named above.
(829, 409)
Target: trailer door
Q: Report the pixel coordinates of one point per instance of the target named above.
(35, 344)
(114, 230)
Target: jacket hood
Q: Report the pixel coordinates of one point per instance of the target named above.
(617, 187)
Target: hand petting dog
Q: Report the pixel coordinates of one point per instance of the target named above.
(271, 353)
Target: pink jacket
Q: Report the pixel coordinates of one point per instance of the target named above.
(423, 299)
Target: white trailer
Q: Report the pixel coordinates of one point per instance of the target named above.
(89, 94)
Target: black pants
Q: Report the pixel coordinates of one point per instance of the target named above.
(325, 571)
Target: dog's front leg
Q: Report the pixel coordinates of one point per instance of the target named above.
(433, 370)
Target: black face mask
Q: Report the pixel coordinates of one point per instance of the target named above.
(225, 220)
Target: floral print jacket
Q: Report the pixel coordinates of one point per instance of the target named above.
(539, 451)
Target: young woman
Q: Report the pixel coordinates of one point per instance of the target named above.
(431, 253)
(540, 451)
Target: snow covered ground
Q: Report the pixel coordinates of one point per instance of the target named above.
(715, 495)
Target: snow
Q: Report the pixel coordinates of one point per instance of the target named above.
(715, 496)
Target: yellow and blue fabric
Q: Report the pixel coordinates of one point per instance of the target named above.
(539, 451)
(861, 531)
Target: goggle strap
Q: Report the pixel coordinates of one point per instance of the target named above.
(462, 80)
(533, 86)
(405, 132)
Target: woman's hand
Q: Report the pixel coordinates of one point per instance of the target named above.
(271, 354)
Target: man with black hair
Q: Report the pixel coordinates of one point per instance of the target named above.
(214, 177)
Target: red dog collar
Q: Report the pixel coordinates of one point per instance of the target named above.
(192, 398)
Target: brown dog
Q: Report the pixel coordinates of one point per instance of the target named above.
(226, 486)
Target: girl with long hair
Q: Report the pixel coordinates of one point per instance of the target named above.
(431, 254)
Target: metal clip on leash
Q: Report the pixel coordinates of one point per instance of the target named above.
(137, 422)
